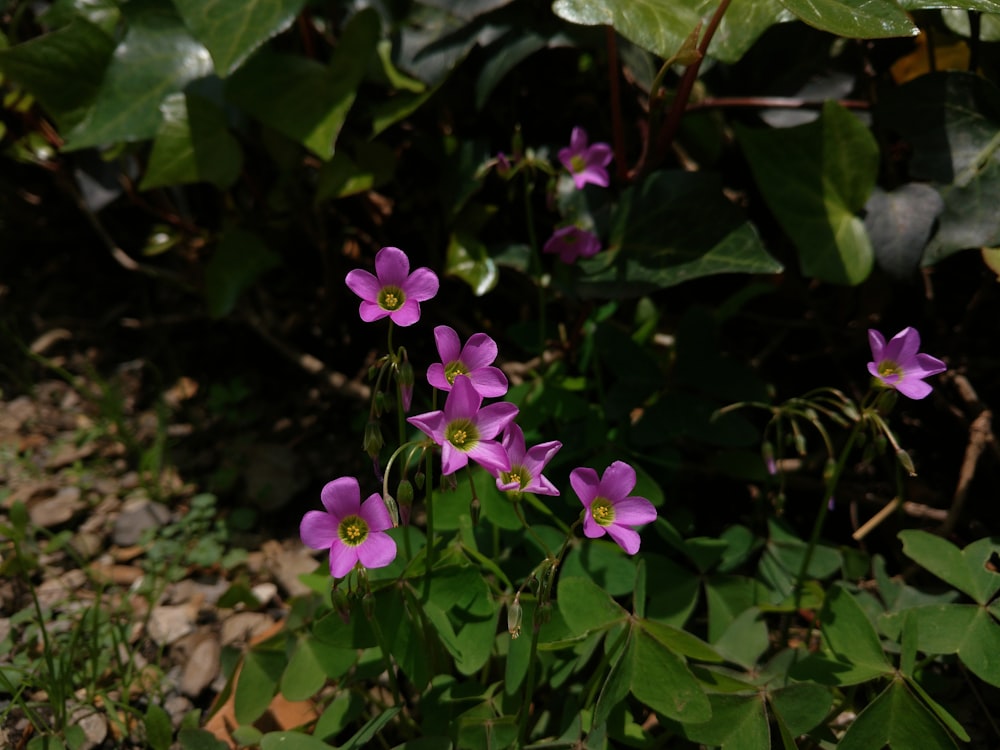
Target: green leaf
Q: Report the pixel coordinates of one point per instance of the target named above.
(898, 719)
(862, 19)
(662, 681)
(681, 641)
(355, 633)
(606, 566)
(304, 676)
(739, 722)
(239, 260)
(257, 684)
(291, 741)
(159, 730)
(617, 683)
(946, 718)
(849, 634)
(965, 570)
(674, 227)
(343, 709)
(802, 706)
(156, 58)
(371, 729)
(78, 52)
(371, 167)
(192, 144)
(987, 6)
(301, 98)
(951, 122)
(815, 178)
(469, 260)
(586, 606)
(199, 739)
(745, 640)
(232, 29)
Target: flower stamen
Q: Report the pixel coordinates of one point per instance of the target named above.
(602, 511)
(352, 530)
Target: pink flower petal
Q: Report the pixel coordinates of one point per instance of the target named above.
(363, 284)
(585, 482)
(493, 418)
(342, 559)
(618, 480)
(407, 314)
(318, 530)
(437, 378)
(479, 351)
(634, 511)
(626, 538)
(449, 346)
(341, 497)
(463, 402)
(375, 514)
(377, 551)
(392, 267)
(490, 455)
(422, 285)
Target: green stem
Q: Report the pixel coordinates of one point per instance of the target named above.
(536, 258)
(529, 680)
(824, 507)
(534, 535)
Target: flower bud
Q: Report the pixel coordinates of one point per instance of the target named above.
(767, 450)
(906, 462)
(378, 401)
(391, 508)
(368, 604)
(514, 615)
(418, 479)
(475, 509)
(405, 379)
(340, 603)
(373, 441)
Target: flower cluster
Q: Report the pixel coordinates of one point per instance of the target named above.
(466, 429)
(900, 366)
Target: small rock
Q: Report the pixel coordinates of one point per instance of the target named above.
(170, 623)
(135, 518)
(288, 564)
(264, 592)
(202, 665)
(244, 627)
(56, 510)
(53, 591)
(94, 725)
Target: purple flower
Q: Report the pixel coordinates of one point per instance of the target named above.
(899, 365)
(608, 506)
(473, 360)
(464, 430)
(393, 291)
(571, 243)
(353, 531)
(526, 466)
(586, 163)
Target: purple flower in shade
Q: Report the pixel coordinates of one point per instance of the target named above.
(393, 291)
(899, 365)
(526, 466)
(571, 243)
(353, 531)
(464, 430)
(474, 360)
(586, 163)
(608, 507)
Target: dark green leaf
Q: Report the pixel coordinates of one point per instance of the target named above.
(898, 719)
(616, 685)
(371, 167)
(899, 223)
(815, 179)
(257, 684)
(238, 262)
(802, 706)
(159, 731)
(739, 722)
(965, 570)
(156, 58)
(864, 19)
(681, 641)
(291, 741)
(987, 6)
(199, 739)
(662, 681)
(950, 121)
(304, 675)
(78, 53)
(232, 29)
(301, 98)
(674, 227)
(192, 145)
(745, 640)
(586, 606)
(849, 634)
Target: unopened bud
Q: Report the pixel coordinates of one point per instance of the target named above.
(906, 462)
(475, 510)
(800, 443)
(405, 380)
(514, 615)
(340, 604)
(378, 402)
(767, 451)
(392, 508)
(503, 164)
(828, 468)
(418, 479)
(404, 493)
(373, 441)
(368, 604)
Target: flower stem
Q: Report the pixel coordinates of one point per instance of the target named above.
(536, 257)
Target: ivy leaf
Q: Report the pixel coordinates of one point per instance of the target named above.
(301, 98)
(157, 57)
(950, 121)
(861, 19)
(815, 178)
(232, 29)
(78, 52)
(192, 145)
(674, 227)
(899, 223)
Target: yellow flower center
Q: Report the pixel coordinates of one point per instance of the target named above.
(889, 369)
(352, 530)
(391, 298)
(462, 434)
(578, 163)
(453, 369)
(517, 474)
(602, 511)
